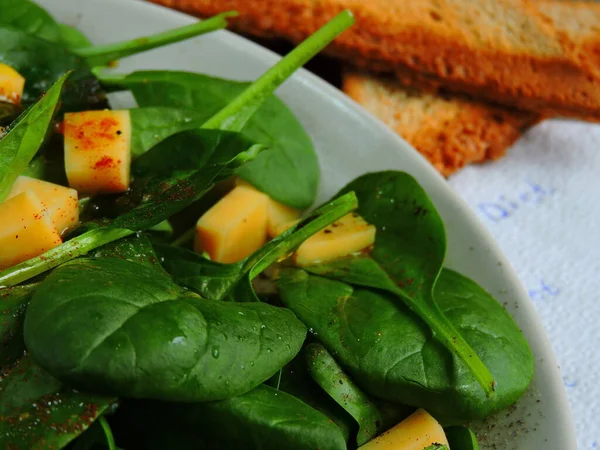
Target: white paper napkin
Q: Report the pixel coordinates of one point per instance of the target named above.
(542, 204)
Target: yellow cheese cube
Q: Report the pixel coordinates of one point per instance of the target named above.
(26, 230)
(416, 432)
(98, 151)
(346, 236)
(235, 227)
(11, 85)
(241, 182)
(279, 215)
(284, 227)
(60, 203)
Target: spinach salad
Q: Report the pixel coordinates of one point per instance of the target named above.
(165, 283)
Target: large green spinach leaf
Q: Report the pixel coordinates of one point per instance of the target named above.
(42, 62)
(180, 189)
(184, 153)
(26, 135)
(409, 251)
(262, 419)
(38, 412)
(152, 125)
(331, 377)
(231, 106)
(289, 173)
(135, 248)
(176, 159)
(72, 38)
(119, 327)
(28, 17)
(390, 352)
(13, 304)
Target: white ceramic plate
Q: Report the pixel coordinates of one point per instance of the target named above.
(350, 142)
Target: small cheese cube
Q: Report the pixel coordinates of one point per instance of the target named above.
(60, 202)
(235, 227)
(11, 85)
(416, 432)
(26, 230)
(241, 182)
(284, 227)
(98, 151)
(279, 214)
(346, 236)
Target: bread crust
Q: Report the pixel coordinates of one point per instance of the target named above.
(450, 132)
(513, 52)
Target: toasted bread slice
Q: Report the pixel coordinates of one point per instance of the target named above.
(449, 131)
(514, 52)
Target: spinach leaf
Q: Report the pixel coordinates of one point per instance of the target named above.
(25, 137)
(101, 55)
(208, 278)
(437, 447)
(217, 281)
(289, 174)
(72, 38)
(390, 352)
(42, 62)
(123, 328)
(13, 303)
(409, 251)
(245, 105)
(331, 377)
(178, 157)
(37, 411)
(295, 380)
(28, 17)
(357, 271)
(152, 125)
(137, 249)
(262, 419)
(187, 189)
(461, 438)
